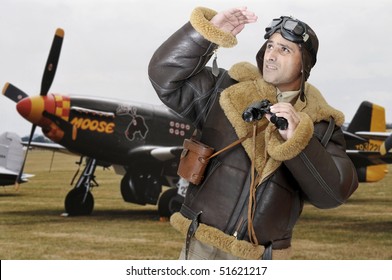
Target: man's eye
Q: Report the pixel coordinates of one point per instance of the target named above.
(284, 49)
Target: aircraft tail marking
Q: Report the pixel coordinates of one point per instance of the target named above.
(370, 117)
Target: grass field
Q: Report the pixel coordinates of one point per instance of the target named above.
(31, 225)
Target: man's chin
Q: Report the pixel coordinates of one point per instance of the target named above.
(269, 80)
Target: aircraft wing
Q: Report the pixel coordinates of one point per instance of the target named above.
(48, 146)
(26, 176)
(366, 158)
(51, 146)
(158, 152)
(382, 136)
(8, 177)
(5, 171)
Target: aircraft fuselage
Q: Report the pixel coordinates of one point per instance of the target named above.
(105, 129)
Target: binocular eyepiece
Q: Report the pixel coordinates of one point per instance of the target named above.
(257, 110)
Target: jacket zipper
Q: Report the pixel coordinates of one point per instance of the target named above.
(240, 218)
(240, 224)
(238, 227)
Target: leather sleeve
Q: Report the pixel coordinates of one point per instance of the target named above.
(326, 175)
(178, 73)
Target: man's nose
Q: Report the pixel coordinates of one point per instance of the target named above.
(271, 55)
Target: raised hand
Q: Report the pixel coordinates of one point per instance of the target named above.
(233, 20)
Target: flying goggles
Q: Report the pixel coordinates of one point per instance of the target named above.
(291, 29)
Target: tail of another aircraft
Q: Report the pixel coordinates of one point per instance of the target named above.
(11, 158)
(11, 151)
(368, 118)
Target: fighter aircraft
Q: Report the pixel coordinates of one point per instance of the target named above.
(143, 142)
(11, 158)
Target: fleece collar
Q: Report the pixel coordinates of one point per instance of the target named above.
(271, 149)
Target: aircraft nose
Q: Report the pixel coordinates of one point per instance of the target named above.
(31, 108)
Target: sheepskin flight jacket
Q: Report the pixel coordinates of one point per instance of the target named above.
(290, 172)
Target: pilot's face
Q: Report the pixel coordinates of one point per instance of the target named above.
(282, 63)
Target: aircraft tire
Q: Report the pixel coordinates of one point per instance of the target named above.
(74, 204)
(168, 203)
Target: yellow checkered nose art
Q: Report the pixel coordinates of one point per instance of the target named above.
(62, 106)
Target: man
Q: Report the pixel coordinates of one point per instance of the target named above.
(234, 213)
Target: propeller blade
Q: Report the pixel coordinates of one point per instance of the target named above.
(19, 177)
(13, 93)
(386, 146)
(53, 59)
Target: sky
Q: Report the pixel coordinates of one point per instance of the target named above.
(108, 45)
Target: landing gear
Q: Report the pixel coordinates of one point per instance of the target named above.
(169, 203)
(145, 189)
(140, 188)
(136, 187)
(171, 200)
(79, 200)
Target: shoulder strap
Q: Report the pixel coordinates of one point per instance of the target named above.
(242, 139)
(328, 133)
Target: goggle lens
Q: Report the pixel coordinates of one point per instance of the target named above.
(294, 27)
(274, 23)
(292, 30)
